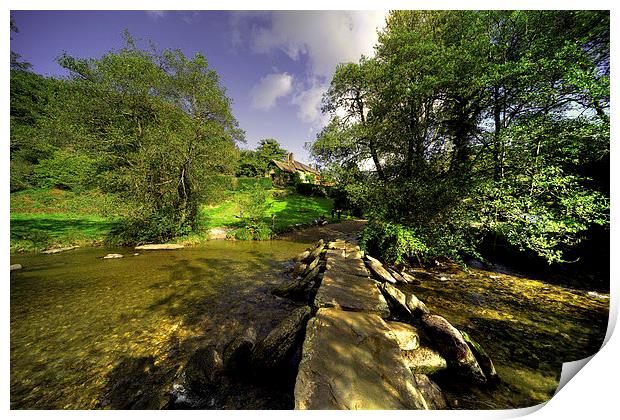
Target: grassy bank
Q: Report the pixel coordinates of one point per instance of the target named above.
(41, 219)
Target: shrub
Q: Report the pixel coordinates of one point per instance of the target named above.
(67, 170)
(254, 231)
(394, 243)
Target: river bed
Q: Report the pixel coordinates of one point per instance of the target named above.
(91, 333)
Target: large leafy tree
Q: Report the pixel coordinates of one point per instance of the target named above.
(478, 123)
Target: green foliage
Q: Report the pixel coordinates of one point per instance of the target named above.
(64, 169)
(253, 201)
(476, 123)
(254, 231)
(255, 163)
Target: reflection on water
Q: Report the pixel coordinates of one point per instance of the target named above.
(89, 333)
(527, 326)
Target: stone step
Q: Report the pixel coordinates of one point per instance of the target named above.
(351, 293)
(350, 360)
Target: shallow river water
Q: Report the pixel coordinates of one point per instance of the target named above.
(93, 333)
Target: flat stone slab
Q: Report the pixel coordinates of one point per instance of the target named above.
(354, 267)
(350, 293)
(350, 360)
(152, 247)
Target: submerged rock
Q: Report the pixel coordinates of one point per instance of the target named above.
(238, 352)
(204, 370)
(424, 360)
(275, 350)
(112, 256)
(311, 266)
(316, 251)
(16, 267)
(451, 344)
(299, 268)
(406, 335)
(484, 360)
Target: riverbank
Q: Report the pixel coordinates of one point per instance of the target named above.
(44, 219)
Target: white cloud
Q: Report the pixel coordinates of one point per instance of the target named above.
(308, 103)
(263, 96)
(156, 14)
(323, 38)
(326, 37)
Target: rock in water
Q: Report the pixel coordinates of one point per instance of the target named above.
(406, 335)
(452, 346)
(431, 392)
(303, 256)
(377, 268)
(409, 278)
(298, 269)
(484, 360)
(396, 299)
(424, 360)
(397, 277)
(57, 250)
(238, 352)
(298, 289)
(275, 350)
(153, 247)
(112, 256)
(311, 266)
(416, 306)
(203, 370)
(16, 267)
(316, 251)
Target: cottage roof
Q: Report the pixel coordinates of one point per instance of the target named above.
(291, 165)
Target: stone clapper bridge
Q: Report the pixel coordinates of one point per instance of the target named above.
(357, 343)
(355, 354)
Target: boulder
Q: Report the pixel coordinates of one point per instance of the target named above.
(424, 360)
(299, 268)
(155, 247)
(238, 352)
(204, 370)
(302, 256)
(406, 335)
(311, 266)
(275, 350)
(350, 361)
(416, 306)
(337, 244)
(432, 393)
(16, 267)
(337, 254)
(298, 289)
(396, 299)
(409, 278)
(452, 346)
(400, 279)
(316, 251)
(378, 269)
(355, 255)
(112, 256)
(484, 360)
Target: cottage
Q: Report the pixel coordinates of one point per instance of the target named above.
(288, 171)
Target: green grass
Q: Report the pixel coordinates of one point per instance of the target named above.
(36, 232)
(42, 219)
(290, 209)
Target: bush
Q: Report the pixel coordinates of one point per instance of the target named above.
(393, 243)
(160, 226)
(254, 231)
(66, 170)
(243, 183)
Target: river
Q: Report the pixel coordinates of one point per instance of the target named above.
(91, 333)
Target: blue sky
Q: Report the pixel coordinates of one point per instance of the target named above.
(274, 65)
